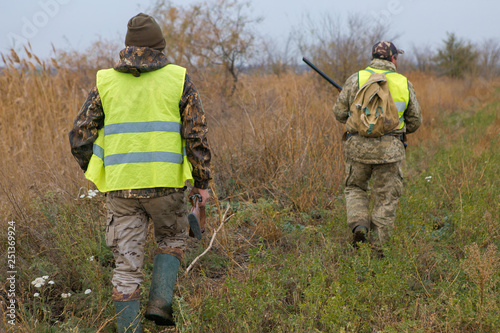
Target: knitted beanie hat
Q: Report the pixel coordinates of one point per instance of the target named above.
(142, 30)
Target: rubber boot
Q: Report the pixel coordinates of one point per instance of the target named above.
(360, 235)
(128, 317)
(128, 311)
(159, 308)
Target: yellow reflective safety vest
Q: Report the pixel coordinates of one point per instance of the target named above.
(398, 86)
(140, 145)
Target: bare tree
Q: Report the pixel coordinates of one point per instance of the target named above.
(488, 60)
(340, 52)
(423, 58)
(209, 34)
(277, 58)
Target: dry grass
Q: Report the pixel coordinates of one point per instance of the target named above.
(35, 118)
(440, 96)
(279, 132)
(481, 269)
(276, 135)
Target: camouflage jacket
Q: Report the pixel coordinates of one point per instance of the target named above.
(90, 119)
(386, 149)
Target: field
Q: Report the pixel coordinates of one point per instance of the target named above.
(283, 261)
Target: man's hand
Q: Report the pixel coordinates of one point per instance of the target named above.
(205, 195)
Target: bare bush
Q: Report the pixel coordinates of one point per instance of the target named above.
(488, 60)
(422, 57)
(480, 269)
(276, 58)
(208, 34)
(340, 52)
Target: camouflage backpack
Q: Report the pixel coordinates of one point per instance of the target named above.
(373, 112)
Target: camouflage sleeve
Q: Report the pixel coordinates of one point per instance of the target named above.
(88, 122)
(346, 98)
(194, 130)
(413, 113)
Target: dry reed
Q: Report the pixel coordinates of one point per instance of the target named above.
(276, 135)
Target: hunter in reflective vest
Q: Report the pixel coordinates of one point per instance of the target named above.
(140, 145)
(374, 174)
(398, 86)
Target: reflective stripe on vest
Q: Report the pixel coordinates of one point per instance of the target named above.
(398, 86)
(151, 126)
(140, 145)
(148, 157)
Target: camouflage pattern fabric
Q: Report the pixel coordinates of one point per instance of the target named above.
(90, 119)
(384, 149)
(387, 189)
(136, 60)
(126, 230)
(385, 50)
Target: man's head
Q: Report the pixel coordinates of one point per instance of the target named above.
(142, 30)
(385, 50)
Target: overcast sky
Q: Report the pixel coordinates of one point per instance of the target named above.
(75, 24)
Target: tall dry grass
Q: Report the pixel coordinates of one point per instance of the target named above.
(439, 96)
(276, 135)
(279, 136)
(39, 104)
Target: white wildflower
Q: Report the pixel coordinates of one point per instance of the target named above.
(45, 277)
(90, 258)
(38, 282)
(90, 194)
(64, 295)
(51, 282)
(36, 294)
(88, 291)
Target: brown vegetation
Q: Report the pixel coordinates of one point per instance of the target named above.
(276, 135)
(279, 166)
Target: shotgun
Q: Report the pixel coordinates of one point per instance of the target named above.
(339, 88)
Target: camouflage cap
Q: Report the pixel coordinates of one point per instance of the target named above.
(385, 50)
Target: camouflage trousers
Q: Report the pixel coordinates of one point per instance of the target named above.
(126, 231)
(387, 189)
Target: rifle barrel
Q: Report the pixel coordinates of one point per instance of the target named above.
(326, 77)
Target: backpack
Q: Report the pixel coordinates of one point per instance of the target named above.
(373, 112)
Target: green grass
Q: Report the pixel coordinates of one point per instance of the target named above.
(312, 280)
(276, 269)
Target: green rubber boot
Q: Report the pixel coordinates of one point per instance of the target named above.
(128, 318)
(159, 307)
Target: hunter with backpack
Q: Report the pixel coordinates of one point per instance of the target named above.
(378, 106)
